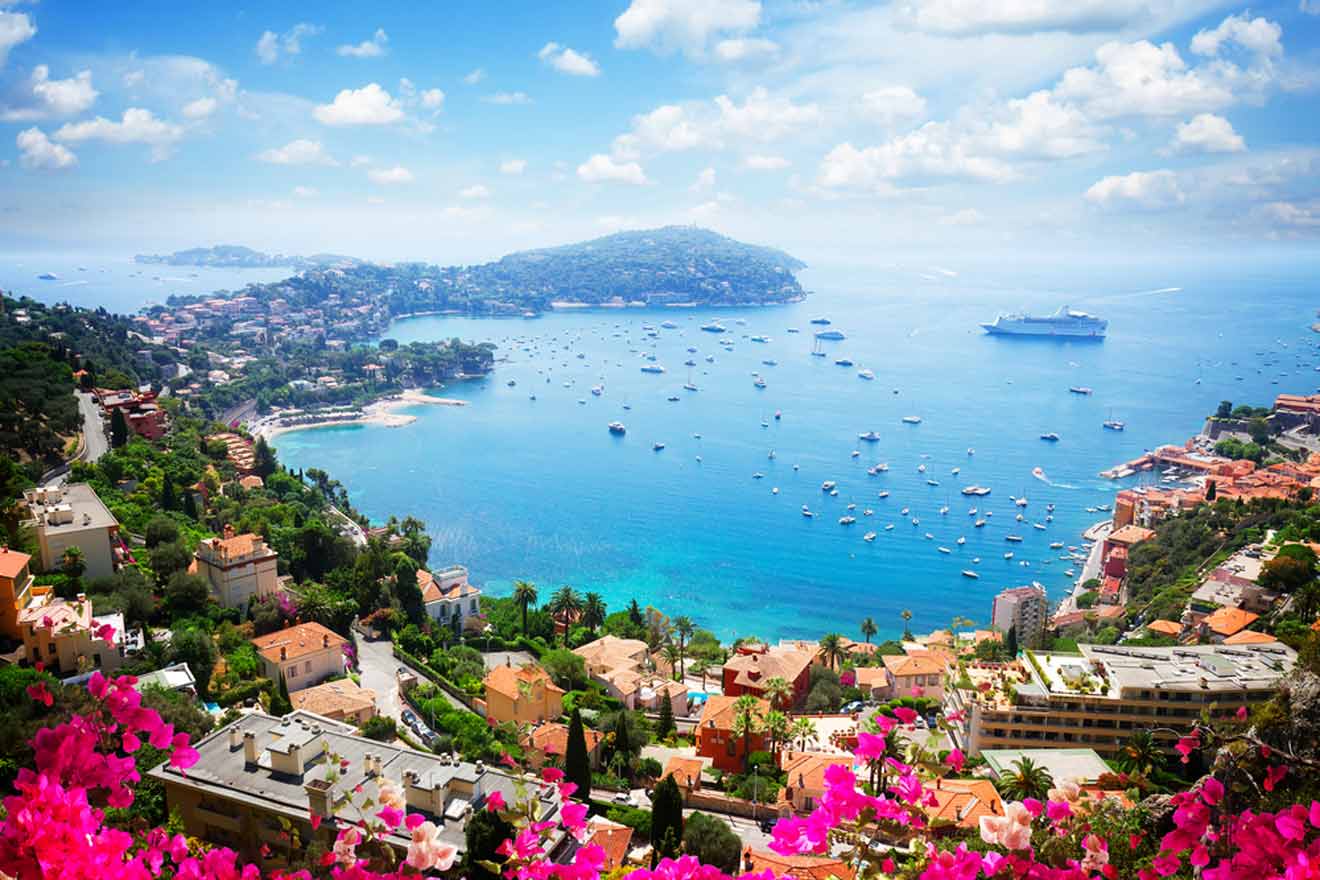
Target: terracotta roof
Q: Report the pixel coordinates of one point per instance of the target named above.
(799, 867)
(1130, 535)
(251, 481)
(807, 769)
(431, 591)
(1249, 637)
(12, 562)
(753, 670)
(223, 549)
(612, 652)
(510, 680)
(871, 676)
(611, 837)
(964, 801)
(1165, 627)
(683, 768)
(912, 664)
(298, 641)
(57, 615)
(718, 713)
(1228, 621)
(341, 697)
(552, 738)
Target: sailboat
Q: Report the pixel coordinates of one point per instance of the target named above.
(1112, 423)
(815, 351)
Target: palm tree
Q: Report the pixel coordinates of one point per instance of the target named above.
(776, 727)
(524, 593)
(673, 656)
(566, 606)
(907, 630)
(745, 722)
(802, 732)
(683, 628)
(778, 691)
(831, 649)
(699, 667)
(869, 629)
(593, 612)
(74, 564)
(1028, 780)
(1141, 753)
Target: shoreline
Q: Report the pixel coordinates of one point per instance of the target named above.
(382, 413)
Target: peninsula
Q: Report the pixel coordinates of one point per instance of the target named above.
(233, 256)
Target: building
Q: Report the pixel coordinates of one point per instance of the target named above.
(522, 695)
(872, 681)
(611, 837)
(686, 772)
(804, 779)
(239, 568)
(751, 666)
(1082, 766)
(15, 589)
(958, 804)
(1225, 622)
(548, 743)
(67, 638)
(142, 413)
(913, 675)
(175, 677)
(302, 655)
(622, 666)
(1097, 698)
(448, 597)
(73, 516)
(1116, 547)
(757, 861)
(1023, 610)
(261, 773)
(715, 736)
(340, 700)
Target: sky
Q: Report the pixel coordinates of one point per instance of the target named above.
(843, 132)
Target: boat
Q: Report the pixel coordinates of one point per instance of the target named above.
(968, 573)
(673, 398)
(794, 330)
(868, 512)
(944, 511)
(843, 362)
(713, 327)
(869, 536)
(807, 512)
(1056, 545)
(689, 386)
(911, 420)
(832, 335)
(759, 383)
(866, 374)
(1080, 389)
(1064, 322)
(710, 358)
(1013, 539)
(48, 276)
(980, 523)
(758, 476)
(921, 468)
(1114, 425)
(961, 540)
(778, 415)
(884, 493)
(652, 368)
(1020, 502)
(932, 482)
(1039, 526)
(856, 454)
(657, 446)
(771, 362)
(1008, 555)
(689, 363)
(1051, 436)
(889, 528)
(828, 486)
(597, 390)
(869, 437)
(903, 512)
(975, 490)
(821, 321)
(759, 338)
(847, 520)
(511, 383)
(618, 428)
(944, 549)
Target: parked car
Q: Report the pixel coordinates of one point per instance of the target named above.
(854, 706)
(622, 797)
(767, 826)
(408, 717)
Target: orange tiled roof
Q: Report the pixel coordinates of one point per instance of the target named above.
(754, 669)
(964, 801)
(683, 768)
(431, 591)
(235, 547)
(871, 676)
(1165, 627)
(1130, 535)
(12, 562)
(611, 837)
(552, 739)
(719, 714)
(797, 867)
(1228, 621)
(332, 697)
(1249, 637)
(298, 641)
(807, 769)
(510, 680)
(912, 664)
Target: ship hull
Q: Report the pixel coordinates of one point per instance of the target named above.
(1045, 329)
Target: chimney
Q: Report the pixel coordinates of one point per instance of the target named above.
(318, 797)
(235, 737)
(284, 653)
(325, 640)
(249, 747)
(229, 531)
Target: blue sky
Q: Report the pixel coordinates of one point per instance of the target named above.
(846, 131)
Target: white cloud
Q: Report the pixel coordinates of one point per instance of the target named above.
(199, 109)
(15, 28)
(300, 152)
(369, 105)
(359, 161)
(1144, 190)
(47, 97)
(705, 180)
(1258, 36)
(270, 46)
(928, 153)
(761, 118)
(475, 191)
(372, 48)
(134, 78)
(967, 17)
(682, 25)
(474, 77)
(1141, 79)
(397, 174)
(601, 168)
(1039, 127)
(513, 166)
(137, 126)
(744, 49)
(566, 60)
(1292, 215)
(1207, 133)
(1310, 7)
(765, 163)
(305, 192)
(508, 98)
(890, 104)
(667, 128)
(36, 151)
(432, 99)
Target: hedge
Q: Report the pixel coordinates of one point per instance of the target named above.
(434, 674)
(534, 646)
(245, 691)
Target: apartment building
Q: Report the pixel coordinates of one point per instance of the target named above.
(239, 568)
(448, 597)
(1023, 610)
(15, 589)
(73, 516)
(303, 655)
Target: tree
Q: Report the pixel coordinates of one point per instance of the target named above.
(683, 628)
(263, 458)
(1287, 574)
(186, 594)
(593, 612)
(635, 613)
(1225, 409)
(73, 564)
(194, 647)
(831, 649)
(776, 728)
(524, 593)
(484, 833)
(869, 629)
(190, 504)
(12, 483)
(381, 728)
(907, 629)
(1027, 779)
(746, 723)
(1011, 642)
(1142, 753)
(167, 559)
(168, 499)
(778, 691)
(802, 733)
(713, 842)
(280, 703)
(666, 820)
(405, 587)
(566, 606)
(1211, 490)
(577, 763)
(568, 670)
(665, 726)
(161, 530)
(1259, 429)
(118, 428)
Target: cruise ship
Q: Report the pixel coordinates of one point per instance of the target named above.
(1064, 322)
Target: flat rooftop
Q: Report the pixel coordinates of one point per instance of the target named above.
(1184, 668)
(1083, 766)
(89, 512)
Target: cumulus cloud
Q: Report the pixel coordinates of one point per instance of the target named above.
(136, 126)
(968, 17)
(566, 60)
(272, 46)
(1207, 133)
(372, 48)
(1141, 190)
(513, 166)
(508, 98)
(760, 118)
(1258, 36)
(38, 152)
(765, 163)
(682, 25)
(390, 176)
(199, 109)
(369, 105)
(15, 28)
(601, 168)
(300, 152)
(890, 104)
(739, 49)
(432, 99)
(44, 97)
(928, 153)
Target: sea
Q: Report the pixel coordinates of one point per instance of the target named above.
(526, 482)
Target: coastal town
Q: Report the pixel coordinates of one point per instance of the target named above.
(278, 625)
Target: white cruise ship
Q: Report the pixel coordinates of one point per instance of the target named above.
(1064, 322)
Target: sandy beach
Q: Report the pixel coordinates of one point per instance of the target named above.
(384, 413)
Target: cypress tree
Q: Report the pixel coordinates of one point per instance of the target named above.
(168, 500)
(577, 763)
(190, 504)
(665, 726)
(1011, 642)
(118, 428)
(666, 820)
(622, 741)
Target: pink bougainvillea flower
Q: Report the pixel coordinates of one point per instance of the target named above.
(905, 715)
(955, 759)
(1185, 746)
(1273, 776)
(40, 693)
(552, 774)
(495, 802)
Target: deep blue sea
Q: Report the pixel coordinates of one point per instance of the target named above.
(539, 489)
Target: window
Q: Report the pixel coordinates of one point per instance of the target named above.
(307, 667)
(50, 648)
(293, 671)
(473, 607)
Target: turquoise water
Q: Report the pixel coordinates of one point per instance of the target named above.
(515, 488)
